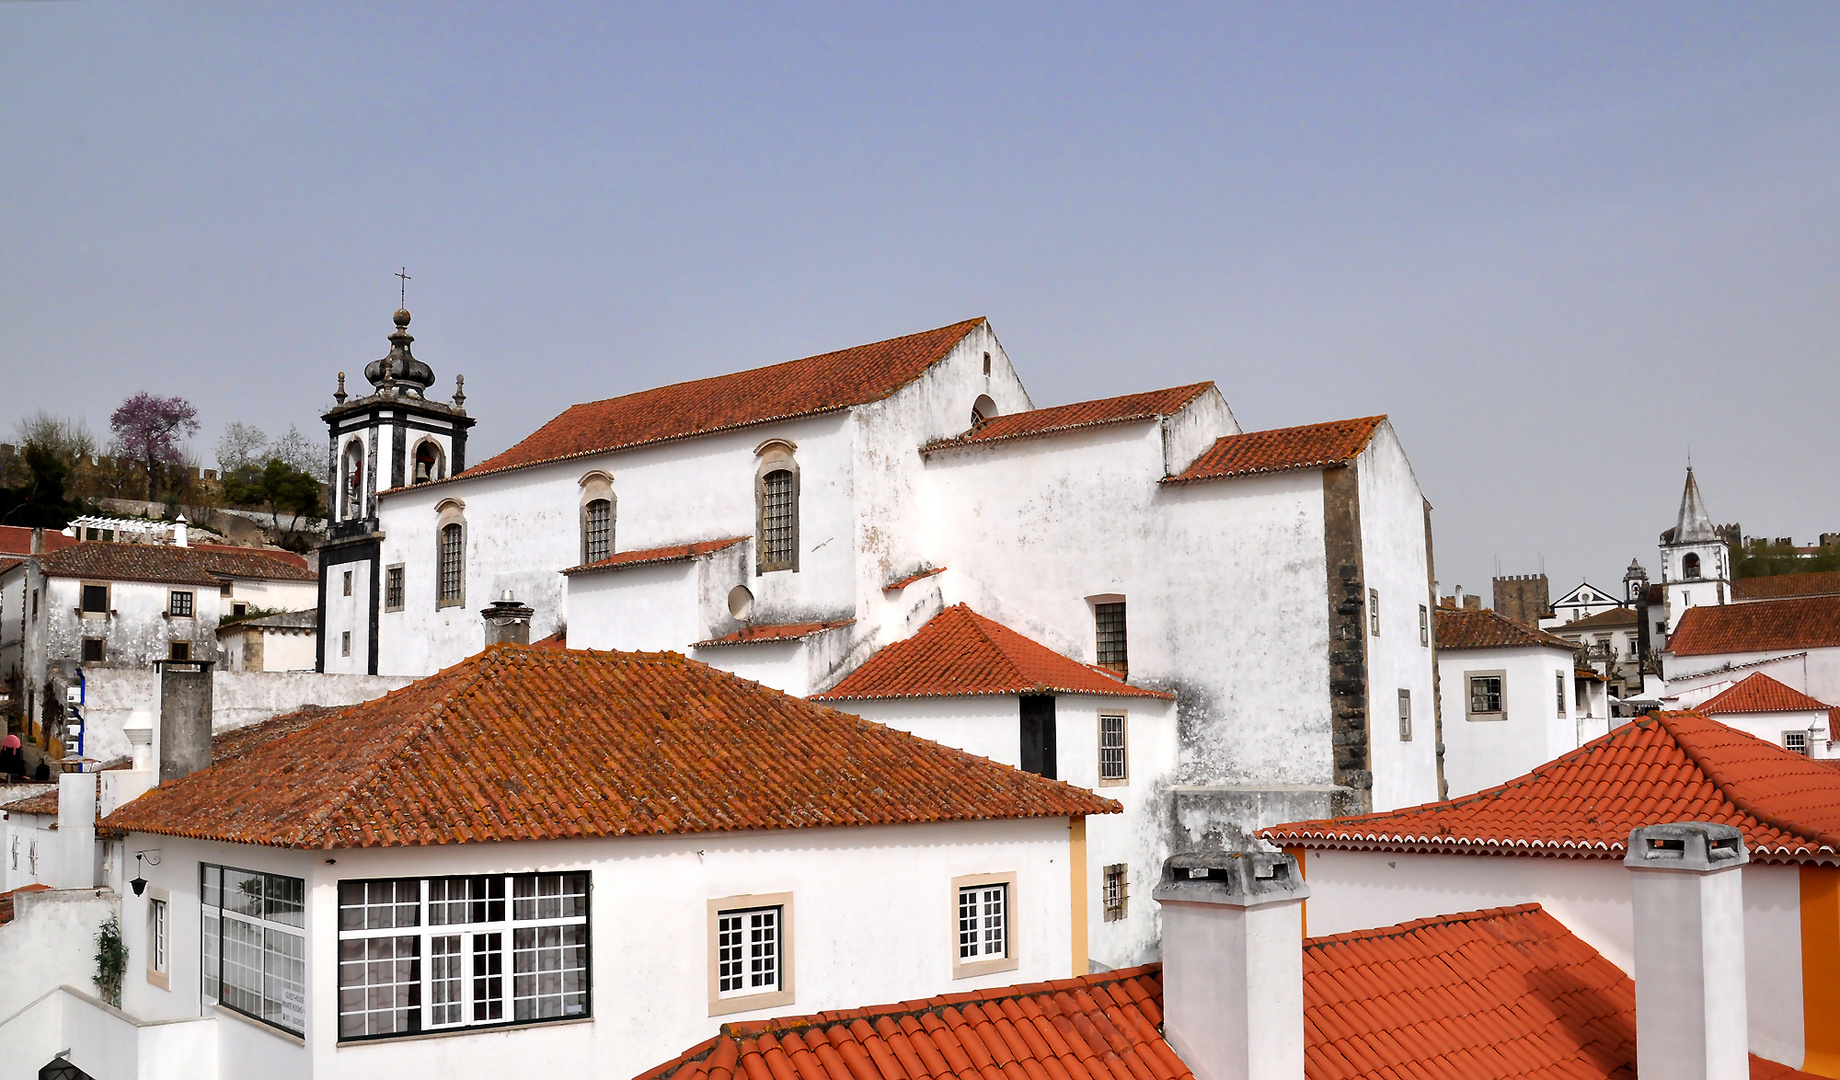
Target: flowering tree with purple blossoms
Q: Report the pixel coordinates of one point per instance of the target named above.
(147, 431)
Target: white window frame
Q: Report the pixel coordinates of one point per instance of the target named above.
(489, 930)
(1123, 748)
(748, 999)
(1373, 612)
(159, 938)
(283, 942)
(985, 962)
(1469, 698)
(1796, 741)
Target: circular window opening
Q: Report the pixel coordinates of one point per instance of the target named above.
(982, 410)
(740, 601)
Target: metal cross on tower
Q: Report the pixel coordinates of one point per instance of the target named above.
(402, 288)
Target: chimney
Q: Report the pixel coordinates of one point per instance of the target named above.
(139, 729)
(1688, 892)
(181, 532)
(185, 717)
(38, 540)
(1233, 963)
(507, 620)
(1472, 602)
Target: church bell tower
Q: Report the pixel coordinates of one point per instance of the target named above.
(393, 437)
(1695, 563)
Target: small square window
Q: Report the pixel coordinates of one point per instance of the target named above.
(984, 915)
(92, 650)
(179, 604)
(345, 643)
(237, 611)
(348, 583)
(95, 599)
(1117, 895)
(178, 650)
(1796, 742)
(1405, 716)
(1485, 696)
(1114, 767)
(393, 588)
(1373, 611)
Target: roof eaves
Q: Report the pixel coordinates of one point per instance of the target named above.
(690, 552)
(1300, 466)
(966, 441)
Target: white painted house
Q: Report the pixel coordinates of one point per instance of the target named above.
(966, 681)
(1558, 836)
(554, 861)
(1795, 640)
(786, 522)
(1511, 699)
(1776, 713)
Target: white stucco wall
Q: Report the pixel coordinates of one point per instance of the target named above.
(872, 922)
(276, 649)
(1770, 727)
(137, 629)
(1815, 672)
(1482, 753)
(51, 941)
(1356, 890)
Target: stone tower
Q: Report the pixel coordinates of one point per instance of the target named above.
(1695, 563)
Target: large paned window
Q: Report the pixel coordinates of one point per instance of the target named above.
(452, 568)
(1113, 766)
(427, 954)
(255, 946)
(779, 513)
(1108, 628)
(597, 530)
(984, 925)
(748, 951)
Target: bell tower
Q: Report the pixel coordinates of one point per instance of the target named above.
(1695, 563)
(393, 437)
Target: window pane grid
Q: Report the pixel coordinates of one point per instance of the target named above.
(598, 538)
(747, 951)
(451, 543)
(1117, 890)
(776, 519)
(393, 587)
(1111, 748)
(1485, 694)
(983, 925)
(1109, 627)
(181, 606)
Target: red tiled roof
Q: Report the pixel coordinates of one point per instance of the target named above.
(1081, 414)
(1615, 619)
(959, 652)
(1313, 446)
(1675, 766)
(252, 563)
(1094, 1027)
(1759, 693)
(103, 561)
(8, 564)
(557, 641)
(657, 744)
(622, 560)
(1760, 626)
(816, 384)
(902, 583)
(1820, 583)
(1483, 629)
(45, 802)
(773, 632)
(17, 540)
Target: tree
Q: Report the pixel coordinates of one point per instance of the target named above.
(148, 429)
(278, 488)
(39, 502)
(308, 457)
(241, 446)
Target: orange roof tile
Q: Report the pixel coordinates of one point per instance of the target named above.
(1618, 618)
(1094, 1027)
(1675, 766)
(1760, 626)
(1034, 423)
(1759, 693)
(1820, 583)
(8, 564)
(623, 560)
(960, 653)
(657, 744)
(751, 635)
(1483, 629)
(102, 561)
(1313, 446)
(17, 540)
(816, 384)
(1503, 994)
(902, 583)
(252, 563)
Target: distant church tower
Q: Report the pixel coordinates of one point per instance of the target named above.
(393, 437)
(1695, 563)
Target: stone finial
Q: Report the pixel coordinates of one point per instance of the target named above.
(340, 395)
(459, 391)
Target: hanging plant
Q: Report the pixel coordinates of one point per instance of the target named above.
(111, 960)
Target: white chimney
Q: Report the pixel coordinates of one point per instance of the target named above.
(139, 729)
(181, 532)
(1688, 892)
(1233, 964)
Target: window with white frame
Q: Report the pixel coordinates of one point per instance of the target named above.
(430, 954)
(255, 944)
(1373, 611)
(1796, 742)
(983, 909)
(750, 952)
(159, 941)
(1116, 896)
(1114, 766)
(1424, 625)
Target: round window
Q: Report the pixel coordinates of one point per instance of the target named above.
(740, 601)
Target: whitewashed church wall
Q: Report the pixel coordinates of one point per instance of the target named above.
(1189, 433)
(641, 608)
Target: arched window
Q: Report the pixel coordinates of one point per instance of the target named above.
(429, 463)
(776, 494)
(597, 516)
(982, 410)
(1689, 566)
(450, 554)
(353, 476)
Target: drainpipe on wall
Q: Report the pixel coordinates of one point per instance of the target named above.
(1692, 1021)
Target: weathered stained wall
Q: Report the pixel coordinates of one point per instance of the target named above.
(50, 942)
(137, 630)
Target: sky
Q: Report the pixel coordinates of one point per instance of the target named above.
(1562, 246)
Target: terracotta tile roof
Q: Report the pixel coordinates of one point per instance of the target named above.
(959, 653)
(17, 540)
(45, 802)
(1675, 766)
(8, 564)
(1034, 423)
(657, 744)
(1759, 693)
(816, 384)
(6, 899)
(623, 560)
(1761, 626)
(773, 632)
(1822, 583)
(103, 561)
(902, 583)
(1094, 1027)
(557, 641)
(1621, 618)
(252, 563)
(1313, 446)
(1485, 995)
(1483, 629)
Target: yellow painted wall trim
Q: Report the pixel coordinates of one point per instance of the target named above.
(1302, 872)
(1821, 969)
(1076, 869)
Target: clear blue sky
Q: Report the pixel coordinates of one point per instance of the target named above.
(1556, 243)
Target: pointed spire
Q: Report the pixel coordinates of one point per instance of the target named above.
(1694, 525)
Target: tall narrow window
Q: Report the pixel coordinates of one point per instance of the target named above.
(393, 588)
(597, 531)
(453, 537)
(984, 910)
(778, 521)
(1109, 629)
(1424, 625)
(353, 479)
(159, 941)
(1689, 566)
(255, 924)
(1559, 694)
(429, 465)
(1405, 715)
(1116, 896)
(1113, 767)
(1373, 611)
(1039, 753)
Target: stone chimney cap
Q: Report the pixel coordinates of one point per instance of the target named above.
(1233, 878)
(1686, 845)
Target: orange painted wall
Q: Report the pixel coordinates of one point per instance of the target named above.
(1821, 969)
